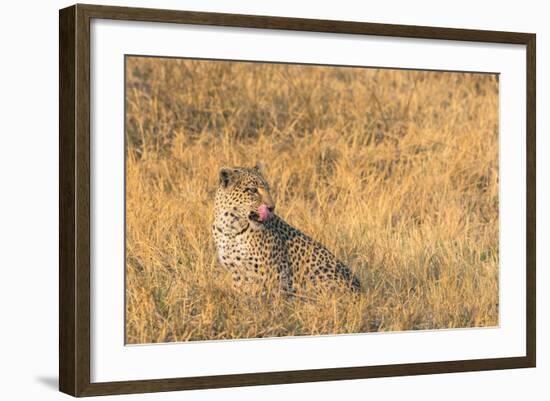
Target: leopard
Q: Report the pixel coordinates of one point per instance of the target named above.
(260, 249)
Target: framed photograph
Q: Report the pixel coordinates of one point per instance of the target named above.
(250, 200)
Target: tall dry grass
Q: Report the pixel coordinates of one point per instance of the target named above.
(395, 171)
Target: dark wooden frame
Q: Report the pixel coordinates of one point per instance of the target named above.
(74, 199)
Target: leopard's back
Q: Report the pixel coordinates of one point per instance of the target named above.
(311, 262)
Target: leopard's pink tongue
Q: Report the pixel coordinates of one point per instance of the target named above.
(264, 213)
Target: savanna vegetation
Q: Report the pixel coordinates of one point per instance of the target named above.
(395, 171)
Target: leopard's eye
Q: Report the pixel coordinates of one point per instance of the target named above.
(252, 190)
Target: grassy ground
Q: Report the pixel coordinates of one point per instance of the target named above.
(395, 171)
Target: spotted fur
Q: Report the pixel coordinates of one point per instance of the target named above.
(258, 251)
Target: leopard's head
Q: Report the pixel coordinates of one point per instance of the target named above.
(245, 192)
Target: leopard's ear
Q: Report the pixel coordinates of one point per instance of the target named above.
(226, 176)
(260, 167)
